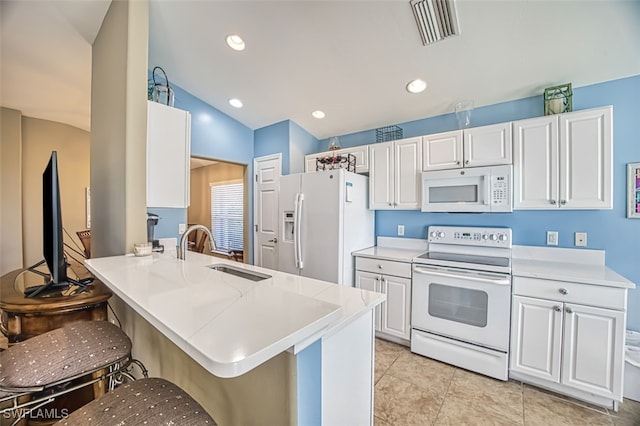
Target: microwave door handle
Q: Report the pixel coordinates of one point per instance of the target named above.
(449, 274)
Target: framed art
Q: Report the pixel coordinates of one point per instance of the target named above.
(633, 186)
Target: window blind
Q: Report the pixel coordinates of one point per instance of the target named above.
(227, 212)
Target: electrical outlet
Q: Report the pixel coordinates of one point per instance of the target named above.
(552, 238)
(400, 230)
(182, 228)
(581, 239)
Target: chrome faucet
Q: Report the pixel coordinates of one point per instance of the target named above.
(182, 247)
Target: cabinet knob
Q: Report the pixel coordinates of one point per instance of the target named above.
(563, 291)
(557, 308)
(552, 201)
(390, 204)
(568, 310)
(458, 163)
(466, 162)
(379, 266)
(563, 202)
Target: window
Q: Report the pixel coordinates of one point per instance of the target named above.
(227, 213)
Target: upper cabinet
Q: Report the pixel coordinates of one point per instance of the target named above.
(394, 174)
(564, 161)
(361, 154)
(168, 156)
(474, 147)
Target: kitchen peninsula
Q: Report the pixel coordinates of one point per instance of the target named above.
(285, 349)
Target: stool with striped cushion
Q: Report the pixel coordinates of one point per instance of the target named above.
(149, 401)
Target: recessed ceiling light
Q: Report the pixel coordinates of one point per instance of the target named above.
(235, 103)
(318, 114)
(416, 86)
(235, 42)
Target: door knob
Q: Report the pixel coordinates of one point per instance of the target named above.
(275, 240)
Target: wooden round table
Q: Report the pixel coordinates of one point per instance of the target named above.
(24, 317)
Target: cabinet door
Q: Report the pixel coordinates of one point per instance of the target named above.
(593, 350)
(310, 163)
(168, 156)
(371, 282)
(442, 151)
(362, 157)
(586, 144)
(408, 173)
(395, 317)
(381, 182)
(535, 163)
(536, 337)
(487, 145)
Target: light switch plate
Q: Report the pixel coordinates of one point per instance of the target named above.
(182, 228)
(552, 238)
(581, 239)
(400, 230)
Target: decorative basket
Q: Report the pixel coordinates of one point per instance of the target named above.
(388, 133)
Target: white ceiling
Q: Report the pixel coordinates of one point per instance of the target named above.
(351, 59)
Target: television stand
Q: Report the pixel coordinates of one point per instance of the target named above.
(52, 286)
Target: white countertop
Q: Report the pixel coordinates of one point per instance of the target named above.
(563, 264)
(398, 249)
(566, 271)
(228, 324)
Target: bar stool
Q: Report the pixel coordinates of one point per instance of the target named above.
(37, 371)
(149, 401)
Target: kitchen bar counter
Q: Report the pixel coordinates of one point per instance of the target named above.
(228, 324)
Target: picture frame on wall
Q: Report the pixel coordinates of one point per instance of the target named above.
(633, 184)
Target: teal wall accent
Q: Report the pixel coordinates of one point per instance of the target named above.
(309, 385)
(301, 143)
(274, 139)
(217, 136)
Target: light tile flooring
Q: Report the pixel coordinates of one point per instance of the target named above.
(414, 390)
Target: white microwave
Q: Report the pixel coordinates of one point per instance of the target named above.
(475, 190)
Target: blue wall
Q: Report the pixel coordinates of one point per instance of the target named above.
(607, 230)
(274, 139)
(217, 136)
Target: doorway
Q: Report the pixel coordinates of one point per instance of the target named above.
(219, 201)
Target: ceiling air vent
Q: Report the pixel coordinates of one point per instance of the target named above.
(436, 19)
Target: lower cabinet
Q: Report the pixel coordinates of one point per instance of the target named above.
(392, 318)
(565, 344)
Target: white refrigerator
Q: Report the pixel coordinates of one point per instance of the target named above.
(324, 216)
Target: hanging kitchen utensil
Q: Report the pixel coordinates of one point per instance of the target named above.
(161, 92)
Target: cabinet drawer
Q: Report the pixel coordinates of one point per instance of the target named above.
(585, 294)
(386, 267)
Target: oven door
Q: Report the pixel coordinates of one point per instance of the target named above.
(470, 306)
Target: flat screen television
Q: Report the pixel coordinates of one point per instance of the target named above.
(52, 235)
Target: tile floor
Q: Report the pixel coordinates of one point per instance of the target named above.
(414, 390)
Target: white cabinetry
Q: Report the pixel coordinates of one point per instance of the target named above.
(394, 174)
(168, 156)
(474, 147)
(361, 154)
(564, 161)
(569, 337)
(392, 318)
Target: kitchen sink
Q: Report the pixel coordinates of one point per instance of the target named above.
(240, 272)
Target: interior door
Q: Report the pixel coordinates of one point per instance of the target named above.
(266, 180)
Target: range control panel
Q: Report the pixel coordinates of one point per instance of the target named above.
(472, 236)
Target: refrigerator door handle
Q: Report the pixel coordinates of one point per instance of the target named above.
(295, 229)
(298, 228)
